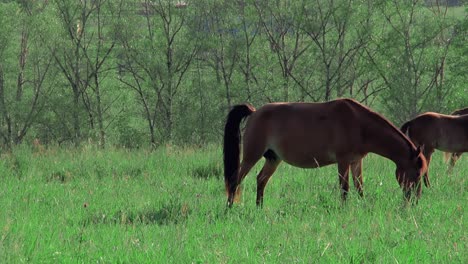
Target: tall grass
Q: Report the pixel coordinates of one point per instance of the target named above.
(121, 206)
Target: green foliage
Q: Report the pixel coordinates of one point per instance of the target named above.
(6, 26)
(458, 54)
(130, 137)
(134, 73)
(90, 205)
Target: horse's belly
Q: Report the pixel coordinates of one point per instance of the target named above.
(311, 164)
(449, 145)
(309, 160)
(309, 150)
(453, 149)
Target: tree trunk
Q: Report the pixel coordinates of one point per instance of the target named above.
(4, 112)
(22, 63)
(76, 116)
(100, 119)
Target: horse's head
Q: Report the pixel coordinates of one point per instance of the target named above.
(409, 173)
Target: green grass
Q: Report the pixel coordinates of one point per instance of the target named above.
(119, 206)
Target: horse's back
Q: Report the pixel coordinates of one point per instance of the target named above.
(437, 119)
(305, 117)
(463, 111)
(440, 131)
(327, 110)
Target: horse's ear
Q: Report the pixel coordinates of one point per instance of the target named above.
(419, 162)
(419, 153)
(420, 149)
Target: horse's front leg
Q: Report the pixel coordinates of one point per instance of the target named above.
(343, 176)
(356, 170)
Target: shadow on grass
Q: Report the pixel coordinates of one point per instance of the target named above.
(59, 176)
(171, 213)
(211, 170)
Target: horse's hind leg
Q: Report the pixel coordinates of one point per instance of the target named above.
(245, 167)
(453, 159)
(343, 175)
(265, 174)
(356, 170)
(252, 153)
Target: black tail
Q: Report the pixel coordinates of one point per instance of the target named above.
(405, 127)
(231, 149)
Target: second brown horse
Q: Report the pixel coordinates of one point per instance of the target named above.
(311, 135)
(431, 130)
(453, 157)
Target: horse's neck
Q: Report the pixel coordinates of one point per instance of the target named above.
(389, 144)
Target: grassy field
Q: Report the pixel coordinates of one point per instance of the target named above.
(168, 206)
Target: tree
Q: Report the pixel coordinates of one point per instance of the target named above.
(156, 64)
(285, 38)
(250, 25)
(407, 58)
(21, 102)
(106, 15)
(221, 46)
(81, 55)
(339, 31)
(450, 79)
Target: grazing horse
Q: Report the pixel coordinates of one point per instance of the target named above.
(454, 156)
(437, 131)
(311, 135)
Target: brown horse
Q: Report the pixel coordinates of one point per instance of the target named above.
(311, 135)
(454, 156)
(437, 131)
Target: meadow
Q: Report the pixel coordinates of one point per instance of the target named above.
(168, 206)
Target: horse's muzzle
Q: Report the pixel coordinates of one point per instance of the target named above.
(411, 187)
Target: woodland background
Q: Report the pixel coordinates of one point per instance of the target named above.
(147, 73)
